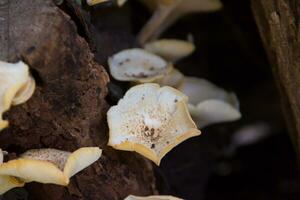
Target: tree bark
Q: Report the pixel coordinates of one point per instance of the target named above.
(278, 22)
(68, 108)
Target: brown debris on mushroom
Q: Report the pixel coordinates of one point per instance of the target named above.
(47, 166)
(151, 121)
(137, 65)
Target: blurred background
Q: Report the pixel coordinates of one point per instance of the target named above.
(252, 158)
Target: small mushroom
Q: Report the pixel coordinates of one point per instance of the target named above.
(209, 104)
(150, 120)
(121, 2)
(16, 86)
(154, 197)
(137, 65)
(166, 12)
(173, 78)
(49, 165)
(171, 49)
(8, 182)
(94, 2)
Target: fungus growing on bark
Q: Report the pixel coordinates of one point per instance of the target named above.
(16, 86)
(137, 65)
(166, 12)
(209, 104)
(8, 182)
(150, 120)
(171, 49)
(47, 166)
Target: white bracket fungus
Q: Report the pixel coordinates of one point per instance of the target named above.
(150, 121)
(171, 49)
(154, 197)
(16, 87)
(209, 104)
(47, 166)
(137, 65)
(166, 12)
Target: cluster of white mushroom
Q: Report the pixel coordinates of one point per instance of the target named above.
(207, 103)
(150, 119)
(39, 165)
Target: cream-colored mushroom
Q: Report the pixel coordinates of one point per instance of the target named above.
(94, 2)
(137, 65)
(8, 182)
(16, 86)
(170, 49)
(121, 2)
(154, 197)
(209, 104)
(173, 78)
(166, 12)
(49, 165)
(150, 121)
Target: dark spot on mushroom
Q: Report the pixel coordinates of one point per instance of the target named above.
(152, 131)
(140, 75)
(151, 68)
(152, 146)
(167, 142)
(127, 60)
(175, 100)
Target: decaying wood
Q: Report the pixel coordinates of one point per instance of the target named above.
(68, 108)
(279, 26)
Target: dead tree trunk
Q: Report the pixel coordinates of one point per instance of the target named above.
(68, 108)
(279, 26)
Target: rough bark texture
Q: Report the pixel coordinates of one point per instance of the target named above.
(68, 109)
(278, 23)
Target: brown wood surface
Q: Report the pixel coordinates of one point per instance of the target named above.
(68, 108)
(278, 22)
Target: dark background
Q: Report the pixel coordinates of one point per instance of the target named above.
(230, 54)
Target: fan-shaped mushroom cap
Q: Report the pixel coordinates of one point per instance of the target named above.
(171, 49)
(15, 82)
(137, 65)
(208, 103)
(151, 121)
(81, 159)
(154, 197)
(49, 165)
